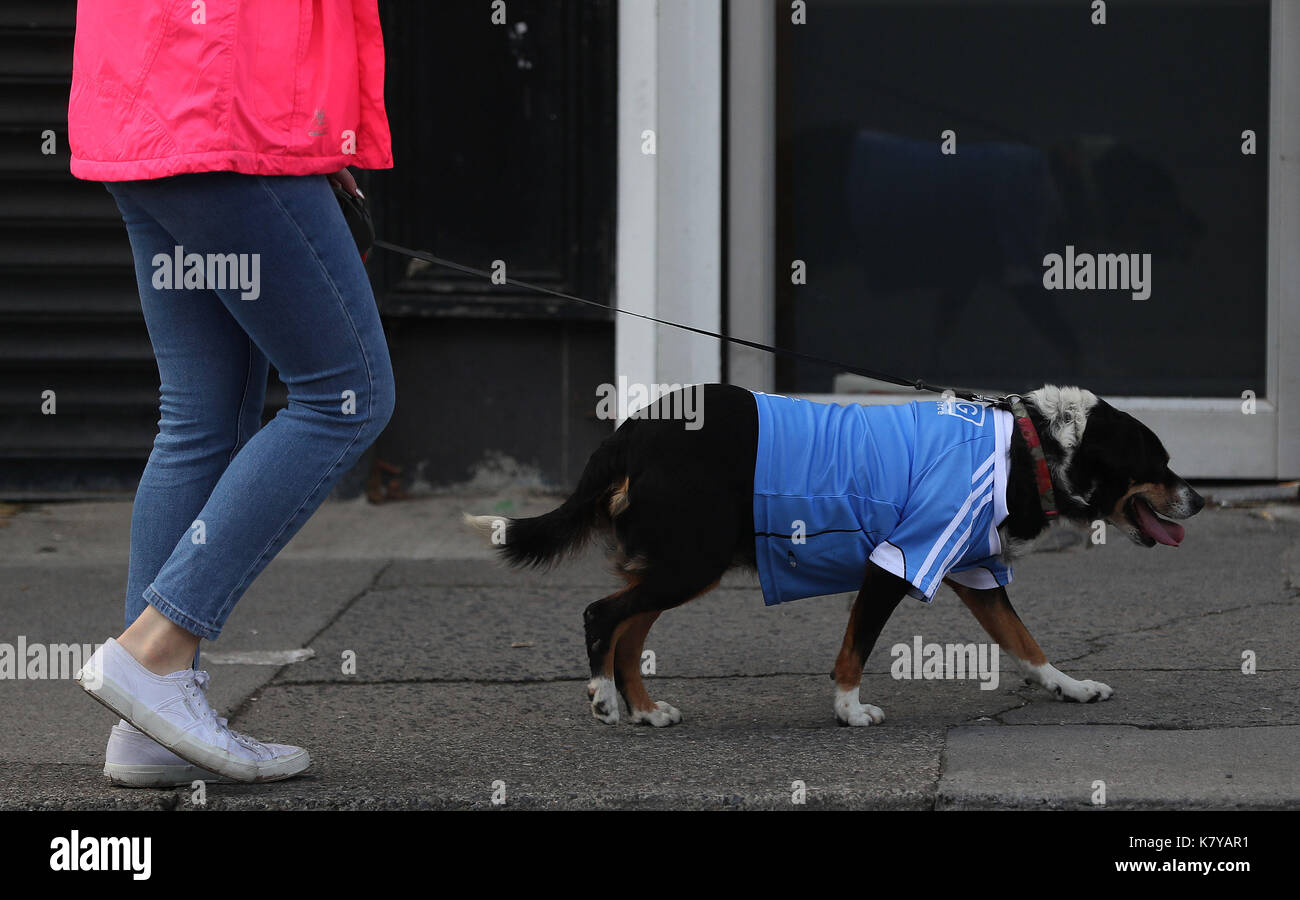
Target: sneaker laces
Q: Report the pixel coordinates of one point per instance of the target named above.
(200, 681)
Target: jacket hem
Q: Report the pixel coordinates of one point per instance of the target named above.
(222, 161)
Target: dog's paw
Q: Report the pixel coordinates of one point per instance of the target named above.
(1064, 688)
(604, 700)
(1071, 690)
(1086, 692)
(848, 711)
(661, 716)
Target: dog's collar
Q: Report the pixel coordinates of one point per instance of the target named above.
(1042, 475)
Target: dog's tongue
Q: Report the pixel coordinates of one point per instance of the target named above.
(1164, 531)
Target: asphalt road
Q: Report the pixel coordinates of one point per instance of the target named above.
(469, 679)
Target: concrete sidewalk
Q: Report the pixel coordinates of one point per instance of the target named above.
(468, 674)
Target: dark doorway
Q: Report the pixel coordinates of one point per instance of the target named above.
(503, 138)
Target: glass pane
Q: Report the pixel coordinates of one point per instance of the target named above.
(1116, 147)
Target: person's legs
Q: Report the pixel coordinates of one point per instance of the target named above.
(307, 305)
(212, 389)
(299, 294)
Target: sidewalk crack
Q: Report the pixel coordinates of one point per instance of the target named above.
(1096, 643)
(240, 709)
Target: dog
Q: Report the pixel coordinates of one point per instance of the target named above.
(889, 501)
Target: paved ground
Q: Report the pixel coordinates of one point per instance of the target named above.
(468, 674)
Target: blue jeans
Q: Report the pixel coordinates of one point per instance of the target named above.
(220, 495)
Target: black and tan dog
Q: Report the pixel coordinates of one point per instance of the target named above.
(678, 503)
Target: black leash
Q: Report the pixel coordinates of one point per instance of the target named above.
(362, 227)
(917, 384)
(359, 222)
(1042, 474)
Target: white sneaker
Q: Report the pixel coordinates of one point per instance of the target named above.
(174, 711)
(133, 759)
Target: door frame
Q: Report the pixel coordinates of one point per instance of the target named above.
(669, 221)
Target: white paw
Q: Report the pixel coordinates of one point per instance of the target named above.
(604, 700)
(1067, 689)
(848, 711)
(1075, 691)
(661, 716)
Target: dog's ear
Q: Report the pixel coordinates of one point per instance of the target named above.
(1065, 410)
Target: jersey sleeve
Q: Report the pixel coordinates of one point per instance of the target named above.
(982, 574)
(946, 527)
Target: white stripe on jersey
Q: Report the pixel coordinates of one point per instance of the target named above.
(983, 468)
(961, 541)
(952, 526)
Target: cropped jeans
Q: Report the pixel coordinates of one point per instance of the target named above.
(235, 271)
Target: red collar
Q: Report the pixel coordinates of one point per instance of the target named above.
(1042, 475)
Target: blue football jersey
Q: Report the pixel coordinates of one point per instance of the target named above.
(919, 489)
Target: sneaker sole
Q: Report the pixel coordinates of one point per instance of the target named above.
(183, 745)
(159, 776)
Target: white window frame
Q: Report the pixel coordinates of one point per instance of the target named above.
(1208, 438)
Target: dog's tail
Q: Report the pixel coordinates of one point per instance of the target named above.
(548, 538)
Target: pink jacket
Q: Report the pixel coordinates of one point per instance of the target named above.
(265, 87)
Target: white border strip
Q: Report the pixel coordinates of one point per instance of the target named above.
(1284, 235)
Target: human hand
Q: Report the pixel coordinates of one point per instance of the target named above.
(343, 178)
